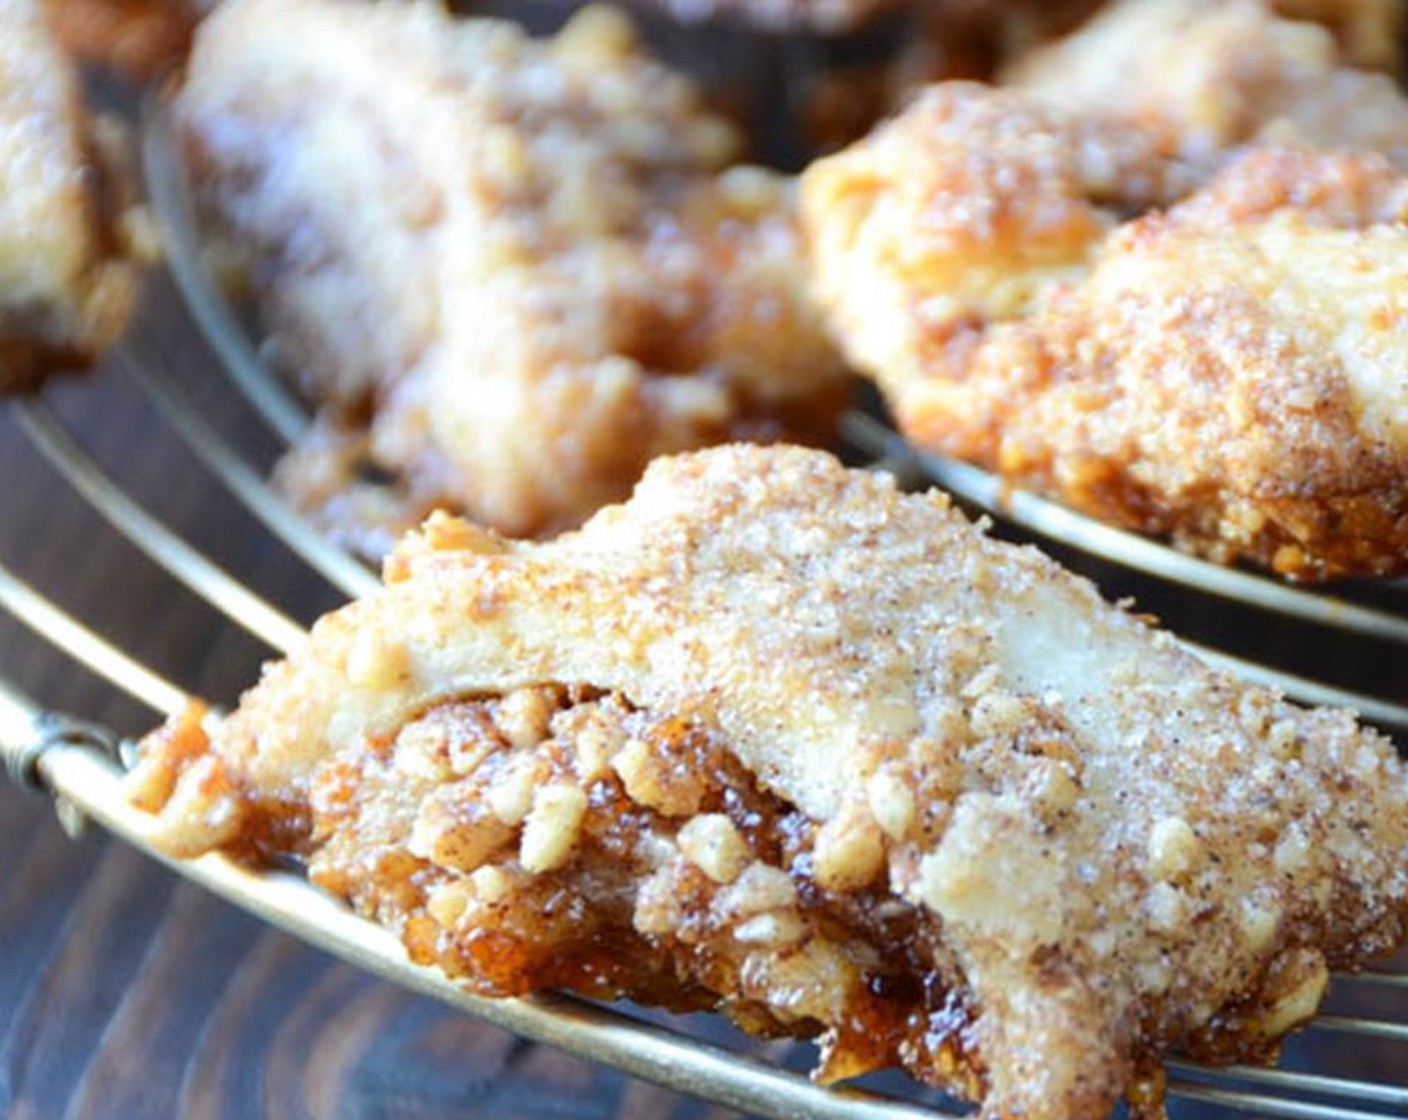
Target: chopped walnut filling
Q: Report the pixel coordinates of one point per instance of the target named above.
(825, 758)
(559, 837)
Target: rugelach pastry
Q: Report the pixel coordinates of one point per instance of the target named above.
(774, 738)
(1181, 310)
(66, 286)
(508, 271)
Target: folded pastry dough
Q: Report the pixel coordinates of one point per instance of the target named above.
(1212, 74)
(776, 738)
(1181, 310)
(510, 270)
(1231, 373)
(64, 288)
(1204, 64)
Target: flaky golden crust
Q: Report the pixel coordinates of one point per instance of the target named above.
(1250, 397)
(1226, 375)
(1228, 73)
(774, 736)
(64, 291)
(532, 262)
(1218, 62)
(965, 210)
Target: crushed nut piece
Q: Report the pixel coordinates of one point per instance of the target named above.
(891, 801)
(456, 834)
(1174, 848)
(551, 828)
(448, 902)
(511, 795)
(524, 716)
(849, 851)
(771, 929)
(595, 740)
(1167, 907)
(712, 844)
(1292, 852)
(1260, 921)
(759, 888)
(421, 750)
(657, 780)
(1300, 977)
(999, 715)
(491, 884)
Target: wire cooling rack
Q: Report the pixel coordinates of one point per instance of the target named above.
(1351, 1063)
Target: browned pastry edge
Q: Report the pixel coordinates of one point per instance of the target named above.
(1303, 537)
(39, 342)
(1092, 850)
(602, 922)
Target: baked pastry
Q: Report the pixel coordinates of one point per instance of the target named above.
(1217, 65)
(1367, 32)
(776, 738)
(1228, 73)
(64, 288)
(511, 271)
(1227, 374)
(963, 210)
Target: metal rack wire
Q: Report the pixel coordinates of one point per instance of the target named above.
(81, 764)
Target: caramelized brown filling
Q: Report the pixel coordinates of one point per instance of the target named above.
(560, 838)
